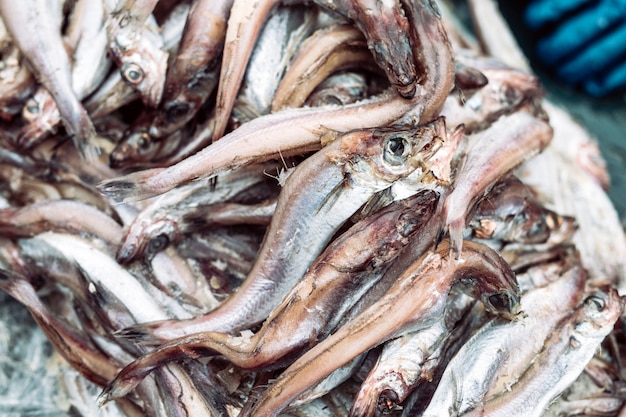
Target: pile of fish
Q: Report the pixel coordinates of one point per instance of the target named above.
(315, 208)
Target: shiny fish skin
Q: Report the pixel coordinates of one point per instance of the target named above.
(345, 174)
(137, 47)
(193, 74)
(325, 52)
(298, 130)
(40, 41)
(319, 301)
(509, 346)
(409, 305)
(563, 358)
(158, 222)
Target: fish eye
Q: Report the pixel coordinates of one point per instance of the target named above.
(31, 110)
(595, 302)
(500, 302)
(132, 73)
(159, 243)
(396, 149)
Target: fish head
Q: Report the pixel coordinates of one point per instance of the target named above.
(483, 274)
(143, 64)
(598, 314)
(385, 155)
(135, 147)
(145, 238)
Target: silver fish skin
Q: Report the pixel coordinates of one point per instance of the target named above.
(90, 63)
(315, 305)
(505, 145)
(298, 130)
(563, 359)
(344, 175)
(39, 38)
(60, 215)
(327, 51)
(498, 354)
(161, 222)
(104, 272)
(399, 367)
(414, 302)
(114, 91)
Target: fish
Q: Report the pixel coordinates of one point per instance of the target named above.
(39, 38)
(344, 175)
(71, 343)
(59, 215)
(137, 47)
(506, 144)
(160, 223)
(192, 75)
(497, 355)
(295, 131)
(562, 360)
(312, 309)
(414, 302)
(510, 212)
(327, 51)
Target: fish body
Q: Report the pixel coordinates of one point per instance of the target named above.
(39, 38)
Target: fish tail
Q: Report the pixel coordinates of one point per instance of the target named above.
(191, 347)
(139, 333)
(132, 187)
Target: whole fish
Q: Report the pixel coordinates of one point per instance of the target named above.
(562, 360)
(298, 130)
(414, 302)
(39, 38)
(343, 176)
(313, 308)
(499, 353)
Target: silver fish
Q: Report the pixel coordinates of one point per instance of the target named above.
(344, 175)
(39, 38)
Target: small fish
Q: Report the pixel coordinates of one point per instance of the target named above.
(137, 46)
(312, 309)
(59, 215)
(571, 346)
(39, 38)
(162, 222)
(414, 302)
(295, 131)
(344, 175)
(498, 354)
(327, 51)
(507, 143)
(192, 75)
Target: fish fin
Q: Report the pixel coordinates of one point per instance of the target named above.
(139, 333)
(132, 187)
